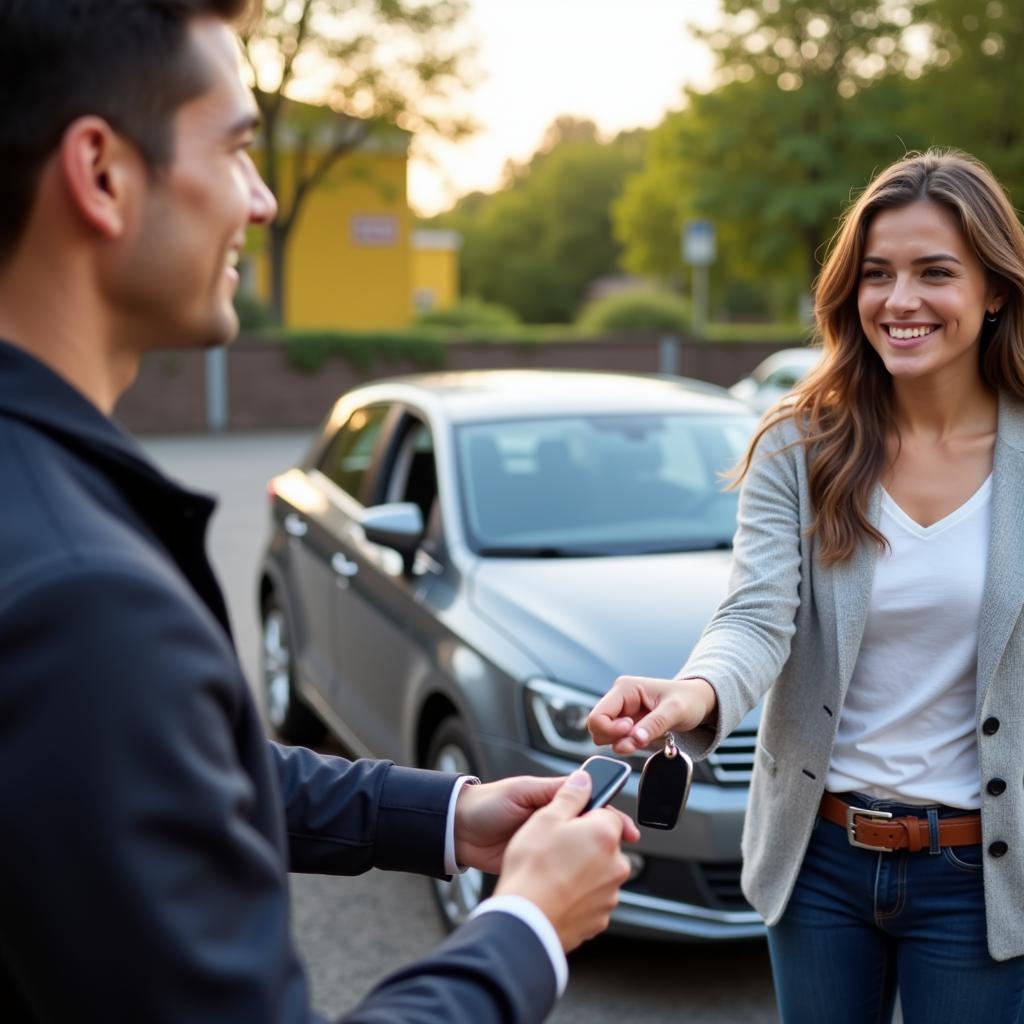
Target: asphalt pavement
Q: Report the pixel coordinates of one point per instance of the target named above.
(353, 931)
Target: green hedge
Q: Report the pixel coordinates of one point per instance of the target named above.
(427, 347)
(795, 334)
(639, 309)
(470, 313)
(309, 350)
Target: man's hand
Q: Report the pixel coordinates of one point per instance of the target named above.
(487, 816)
(638, 710)
(571, 867)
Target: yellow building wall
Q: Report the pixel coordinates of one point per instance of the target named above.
(349, 262)
(435, 277)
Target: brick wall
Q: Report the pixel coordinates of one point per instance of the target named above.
(266, 392)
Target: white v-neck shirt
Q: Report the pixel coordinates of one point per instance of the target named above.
(907, 728)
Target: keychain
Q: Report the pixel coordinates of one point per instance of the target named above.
(664, 786)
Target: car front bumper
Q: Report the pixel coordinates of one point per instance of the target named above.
(687, 885)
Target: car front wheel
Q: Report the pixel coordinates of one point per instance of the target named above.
(291, 718)
(450, 751)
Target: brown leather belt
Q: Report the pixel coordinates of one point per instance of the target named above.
(879, 830)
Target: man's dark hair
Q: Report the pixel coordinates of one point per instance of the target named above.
(126, 61)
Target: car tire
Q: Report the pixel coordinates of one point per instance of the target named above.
(450, 750)
(290, 718)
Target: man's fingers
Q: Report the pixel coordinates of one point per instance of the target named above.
(533, 792)
(613, 820)
(572, 796)
(630, 833)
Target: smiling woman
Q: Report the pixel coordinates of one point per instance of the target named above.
(923, 293)
(875, 592)
(923, 271)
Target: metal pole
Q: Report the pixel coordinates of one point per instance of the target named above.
(700, 299)
(217, 388)
(668, 354)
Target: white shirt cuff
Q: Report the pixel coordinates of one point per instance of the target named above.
(451, 866)
(531, 915)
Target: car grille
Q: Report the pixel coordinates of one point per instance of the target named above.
(703, 884)
(733, 762)
(723, 881)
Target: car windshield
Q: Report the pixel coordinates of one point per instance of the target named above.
(600, 485)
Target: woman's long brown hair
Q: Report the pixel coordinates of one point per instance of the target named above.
(844, 408)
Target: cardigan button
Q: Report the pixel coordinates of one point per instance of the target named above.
(996, 787)
(998, 848)
(990, 726)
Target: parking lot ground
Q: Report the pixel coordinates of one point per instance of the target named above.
(353, 931)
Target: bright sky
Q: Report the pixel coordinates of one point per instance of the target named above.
(621, 63)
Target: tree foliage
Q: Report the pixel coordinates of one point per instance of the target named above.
(373, 62)
(811, 97)
(535, 245)
(969, 94)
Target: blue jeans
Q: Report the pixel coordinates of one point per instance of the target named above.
(861, 923)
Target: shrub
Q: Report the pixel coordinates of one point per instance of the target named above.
(253, 315)
(470, 312)
(639, 309)
(309, 350)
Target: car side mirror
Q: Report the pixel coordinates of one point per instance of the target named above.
(397, 525)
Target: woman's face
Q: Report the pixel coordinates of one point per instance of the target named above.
(923, 293)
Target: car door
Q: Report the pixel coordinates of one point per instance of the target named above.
(318, 514)
(381, 629)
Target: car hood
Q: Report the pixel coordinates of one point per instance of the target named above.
(587, 620)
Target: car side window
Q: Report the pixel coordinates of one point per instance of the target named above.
(787, 377)
(348, 457)
(414, 478)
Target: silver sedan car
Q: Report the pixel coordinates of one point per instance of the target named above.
(464, 562)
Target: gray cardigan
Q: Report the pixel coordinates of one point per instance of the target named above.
(793, 622)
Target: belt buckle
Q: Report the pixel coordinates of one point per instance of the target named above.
(852, 813)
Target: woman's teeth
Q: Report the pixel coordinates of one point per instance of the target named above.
(905, 333)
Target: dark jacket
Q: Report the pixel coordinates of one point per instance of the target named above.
(147, 824)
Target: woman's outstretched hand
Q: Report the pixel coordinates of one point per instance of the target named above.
(638, 711)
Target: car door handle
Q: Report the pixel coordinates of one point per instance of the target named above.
(343, 566)
(294, 526)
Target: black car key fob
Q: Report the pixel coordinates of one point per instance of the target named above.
(607, 777)
(664, 787)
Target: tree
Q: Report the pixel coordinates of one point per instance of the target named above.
(809, 100)
(375, 63)
(535, 245)
(969, 95)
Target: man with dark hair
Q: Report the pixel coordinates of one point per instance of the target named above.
(148, 825)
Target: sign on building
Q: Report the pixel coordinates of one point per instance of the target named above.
(374, 229)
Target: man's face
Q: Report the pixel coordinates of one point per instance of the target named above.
(177, 275)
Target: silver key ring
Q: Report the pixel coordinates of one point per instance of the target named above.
(670, 746)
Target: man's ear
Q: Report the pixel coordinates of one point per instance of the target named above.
(102, 173)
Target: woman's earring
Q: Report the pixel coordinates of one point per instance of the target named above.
(991, 316)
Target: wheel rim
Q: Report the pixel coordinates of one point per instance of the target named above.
(459, 897)
(277, 684)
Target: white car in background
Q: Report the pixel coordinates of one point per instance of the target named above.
(775, 377)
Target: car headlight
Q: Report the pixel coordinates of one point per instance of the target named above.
(557, 716)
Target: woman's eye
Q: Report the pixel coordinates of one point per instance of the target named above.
(873, 274)
(937, 272)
